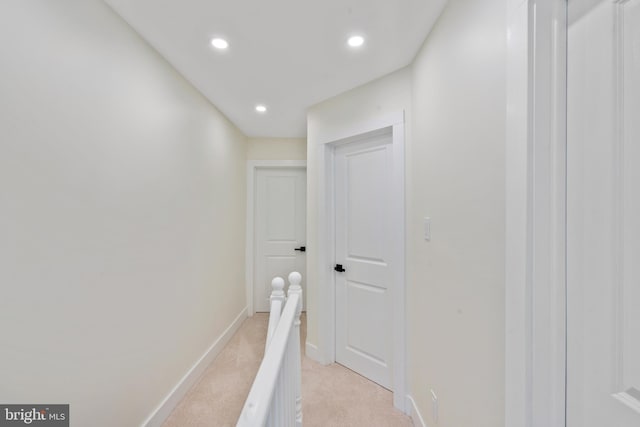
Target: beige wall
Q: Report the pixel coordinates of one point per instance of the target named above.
(456, 281)
(122, 216)
(277, 149)
(454, 99)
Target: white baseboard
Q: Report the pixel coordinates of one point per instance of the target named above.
(414, 413)
(311, 351)
(163, 410)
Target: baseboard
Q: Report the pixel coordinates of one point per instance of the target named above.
(414, 413)
(163, 410)
(311, 351)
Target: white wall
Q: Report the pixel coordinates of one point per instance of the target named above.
(456, 281)
(122, 215)
(277, 149)
(390, 94)
(454, 95)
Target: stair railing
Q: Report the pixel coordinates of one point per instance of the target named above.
(275, 398)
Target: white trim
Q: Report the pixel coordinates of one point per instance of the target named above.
(618, 201)
(363, 127)
(311, 351)
(535, 214)
(252, 166)
(325, 255)
(399, 302)
(160, 414)
(628, 400)
(414, 413)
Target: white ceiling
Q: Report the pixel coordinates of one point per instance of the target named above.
(286, 54)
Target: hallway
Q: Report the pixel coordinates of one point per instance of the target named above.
(332, 396)
(124, 196)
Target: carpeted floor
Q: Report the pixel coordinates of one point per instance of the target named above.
(332, 396)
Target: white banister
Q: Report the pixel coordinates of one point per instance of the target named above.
(275, 398)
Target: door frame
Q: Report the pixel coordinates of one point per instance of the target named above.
(325, 254)
(535, 272)
(252, 168)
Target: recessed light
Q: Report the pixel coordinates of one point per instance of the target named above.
(219, 43)
(261, 108)
(355, 41)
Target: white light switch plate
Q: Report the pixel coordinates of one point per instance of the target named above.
(427, 229)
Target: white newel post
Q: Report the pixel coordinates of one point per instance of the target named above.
(277, 300)
(295, 279)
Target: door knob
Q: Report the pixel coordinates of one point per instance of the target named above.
(339, 268)
(301, 249)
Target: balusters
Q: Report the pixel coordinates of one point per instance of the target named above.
(275, 398)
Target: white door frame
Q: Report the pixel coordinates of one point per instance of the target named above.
(535, 312)
(326, 246)
(252, 167)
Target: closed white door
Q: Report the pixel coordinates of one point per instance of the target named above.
(363, 183)
(603, 214)
(280, 229)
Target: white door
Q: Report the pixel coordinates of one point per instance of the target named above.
(363, 183)
(603, 214)
(280, 229)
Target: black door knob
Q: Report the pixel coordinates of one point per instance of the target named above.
(339, 268)
(301, 249)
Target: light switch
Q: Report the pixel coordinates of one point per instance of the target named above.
(427, 229)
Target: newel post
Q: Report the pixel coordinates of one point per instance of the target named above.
(277, 300)
(295, 279)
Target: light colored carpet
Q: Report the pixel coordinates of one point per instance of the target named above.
(332, 396)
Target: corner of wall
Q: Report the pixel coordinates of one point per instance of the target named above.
(164, 409)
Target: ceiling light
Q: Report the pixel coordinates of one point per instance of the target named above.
(355, 41)
(219, 43)
(261, 108)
